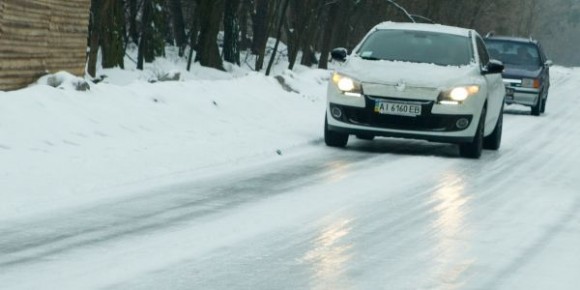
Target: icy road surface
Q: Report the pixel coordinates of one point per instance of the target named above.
(388, 214)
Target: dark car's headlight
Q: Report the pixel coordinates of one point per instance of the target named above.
(347, 85)
(531, 83)
(457, 95)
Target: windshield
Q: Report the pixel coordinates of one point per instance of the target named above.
(417, 46)
(514, 53)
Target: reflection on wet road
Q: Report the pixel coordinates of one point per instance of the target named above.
(450, 228)
(329, 255)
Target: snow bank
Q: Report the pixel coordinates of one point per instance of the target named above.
(63, 148)
(64, 81)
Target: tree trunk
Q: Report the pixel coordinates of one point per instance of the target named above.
(145, 34)
(530, 26)
(211, 12)
(261, 29)
(193, 36)
(310, 33)
(299, 21)
(178, 24)
(112, 34)
(95, 37)
(260, 26)
(133, 11)
(231, 49)
(328, 36)
(244, 13)
(304, 18)
(278, 35)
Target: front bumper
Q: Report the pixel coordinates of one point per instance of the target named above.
(400, 134)
(522, 96)
(436, 127)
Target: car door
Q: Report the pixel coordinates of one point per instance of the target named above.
(495, 88)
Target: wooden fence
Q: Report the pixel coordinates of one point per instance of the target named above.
(39, 37)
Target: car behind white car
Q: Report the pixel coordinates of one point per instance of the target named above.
(419, 81)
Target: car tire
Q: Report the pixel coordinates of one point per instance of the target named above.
(493, 141)
(543, 109)
(366, 137)
(474, 148)
(334, 139)
(537, 109)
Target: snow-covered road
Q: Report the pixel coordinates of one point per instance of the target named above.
(387, 214)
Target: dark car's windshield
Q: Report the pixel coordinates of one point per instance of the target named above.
(417, 46)
(514, 53)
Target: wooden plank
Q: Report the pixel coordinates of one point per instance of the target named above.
(40, 36)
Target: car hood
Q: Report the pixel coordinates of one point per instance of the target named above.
(415, 74)
(518, 71)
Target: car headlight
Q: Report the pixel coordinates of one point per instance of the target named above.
(456, 96)
(531, 83)
(347, 85)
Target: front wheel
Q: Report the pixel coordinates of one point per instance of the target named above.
(543, 109)
(493, 141)
(537, 108)
(334, 139)
(473, 149)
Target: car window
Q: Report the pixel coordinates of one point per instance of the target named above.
(482, 51)
(514, 53)
(417, 46)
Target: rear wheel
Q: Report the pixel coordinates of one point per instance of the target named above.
(334, 139)
(493, 141)
(473, 149)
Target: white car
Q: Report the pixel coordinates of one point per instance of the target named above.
(419, 81)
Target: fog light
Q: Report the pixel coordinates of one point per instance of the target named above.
(336, 112)
(462, 123)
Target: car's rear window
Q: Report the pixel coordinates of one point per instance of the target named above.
(513, 52)
(417, 46)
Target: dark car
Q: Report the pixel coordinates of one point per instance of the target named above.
(527, 70)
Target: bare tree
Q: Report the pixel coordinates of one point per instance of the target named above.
(107, 27)
(328, 34)
(282, 18)
(261, 26)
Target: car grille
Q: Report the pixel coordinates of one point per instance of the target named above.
(426, 122)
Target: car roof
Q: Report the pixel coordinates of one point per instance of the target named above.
(512, 39)
(424, 27)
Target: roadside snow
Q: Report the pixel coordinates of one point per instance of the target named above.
(62, 148)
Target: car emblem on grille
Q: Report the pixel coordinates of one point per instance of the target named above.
(401, 86)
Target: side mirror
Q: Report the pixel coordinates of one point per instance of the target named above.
(549, 63)
(493, 67)
(339, 54)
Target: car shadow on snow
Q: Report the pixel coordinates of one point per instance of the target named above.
(404, 147)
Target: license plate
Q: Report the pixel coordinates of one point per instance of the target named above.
(399, 109)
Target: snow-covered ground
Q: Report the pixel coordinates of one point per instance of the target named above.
(64, 148)
(221, 181)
